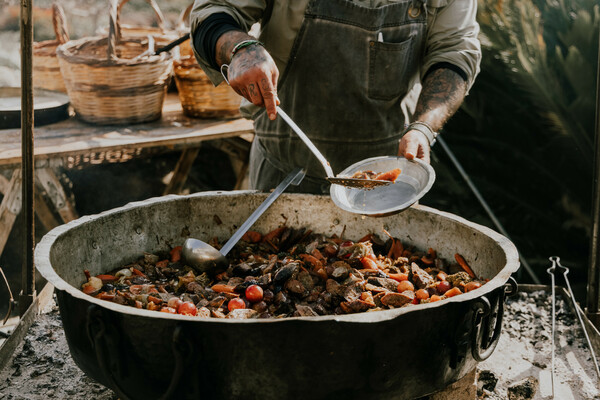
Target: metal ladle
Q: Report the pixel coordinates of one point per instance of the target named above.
(205, 258)
(336, 180)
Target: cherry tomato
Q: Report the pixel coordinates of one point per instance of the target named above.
(472, 286)
(169, 310)
(236, 304)
(443, 286)
(187, 308)
(254, 293)
(174, 302)
(422, 294)
(405, 285)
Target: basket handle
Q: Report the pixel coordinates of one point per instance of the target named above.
(60, 23)
(114, 31)
(160, 19)
(182, 21)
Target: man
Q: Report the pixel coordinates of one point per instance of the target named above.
(346, 71)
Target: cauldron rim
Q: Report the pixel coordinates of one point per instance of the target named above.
(44, 266)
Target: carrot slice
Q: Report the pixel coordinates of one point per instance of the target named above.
(252, 237)
(396, 249)
(220, 288)
(176, 253)
(453, 292)
(312, 260)
(399, 277)
(106, 278)
(369, 263)
(463, 264)
(391, 175)
(275, 233)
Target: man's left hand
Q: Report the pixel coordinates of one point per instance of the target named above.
(414, 144)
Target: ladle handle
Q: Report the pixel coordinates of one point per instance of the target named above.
(307, 141)
(295, 177)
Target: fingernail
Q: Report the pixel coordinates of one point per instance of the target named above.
(272, 117)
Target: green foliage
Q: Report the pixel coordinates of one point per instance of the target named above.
(525, 133)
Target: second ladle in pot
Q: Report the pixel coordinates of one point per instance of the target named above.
(337, 180)
(205, 258)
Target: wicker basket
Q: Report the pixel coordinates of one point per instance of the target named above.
(161, 34)
(199, 97)
(46, 71)
(107, 84)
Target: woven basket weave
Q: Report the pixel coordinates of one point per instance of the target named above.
(185, 48)
(199, 97)
(107, 84)
(46, 71)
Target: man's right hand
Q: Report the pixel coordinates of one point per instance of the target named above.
(252, 73)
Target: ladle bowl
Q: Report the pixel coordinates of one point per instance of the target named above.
(205, 258)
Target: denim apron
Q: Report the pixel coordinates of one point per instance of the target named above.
(349, 69)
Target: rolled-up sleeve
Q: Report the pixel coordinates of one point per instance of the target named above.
(244, 12)
(452, 37)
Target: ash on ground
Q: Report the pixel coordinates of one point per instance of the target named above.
(42, 367)
(521, 366)
(519, 369)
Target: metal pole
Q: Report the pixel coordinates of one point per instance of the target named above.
(485, 205)
(593, 292)
(27, 270)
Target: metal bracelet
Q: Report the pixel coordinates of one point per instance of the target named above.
(425, 129)
(242, 44)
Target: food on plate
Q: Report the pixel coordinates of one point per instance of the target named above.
(390, 175)
(289, 272)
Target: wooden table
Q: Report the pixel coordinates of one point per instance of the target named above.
(74, 144)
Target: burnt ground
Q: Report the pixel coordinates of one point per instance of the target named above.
(42, 367)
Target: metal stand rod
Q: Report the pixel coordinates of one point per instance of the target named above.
(484, 204)
(593, 292)
(27, 270)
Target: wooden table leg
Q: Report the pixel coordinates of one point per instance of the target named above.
(10, 207)
(48, 180)
(44, 212)
(182, 170)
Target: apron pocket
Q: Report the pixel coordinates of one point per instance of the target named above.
(389, 68)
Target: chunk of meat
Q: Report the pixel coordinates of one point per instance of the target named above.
(398, 299)
(421, 278)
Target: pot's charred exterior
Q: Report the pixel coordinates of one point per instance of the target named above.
(395, 354)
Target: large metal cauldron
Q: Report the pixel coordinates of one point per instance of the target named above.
(394, 354)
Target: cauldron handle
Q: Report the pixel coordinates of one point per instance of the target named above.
(482, 346)
(105, 342)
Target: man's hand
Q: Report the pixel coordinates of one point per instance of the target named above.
(414, 144)
(442, 93)
(252, 73)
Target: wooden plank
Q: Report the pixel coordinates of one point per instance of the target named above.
(44, 213)
(182, 170)
(73, 136)
(56, 194)
(3, 184)
(10, 207)
(9, 346)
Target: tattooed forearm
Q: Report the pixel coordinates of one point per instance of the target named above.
(226, 43)
(443, 92)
